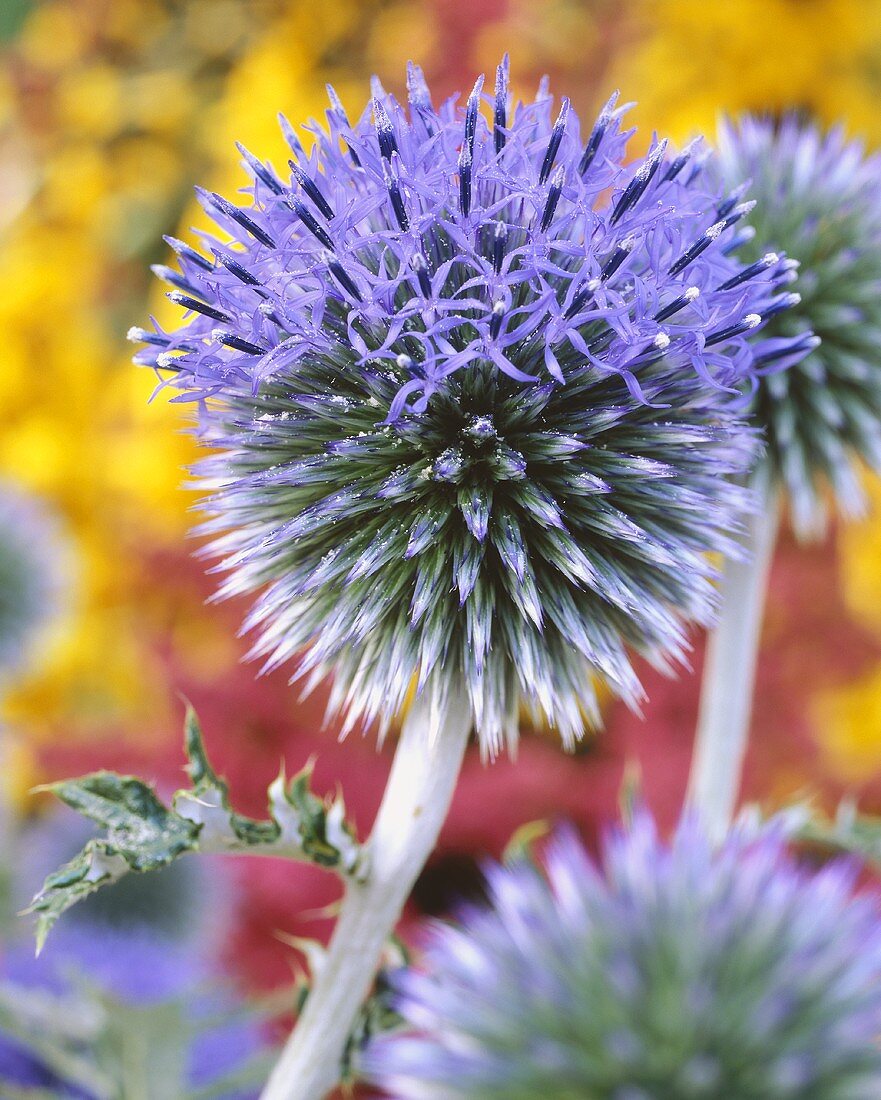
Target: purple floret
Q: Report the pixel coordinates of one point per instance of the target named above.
(448, 241)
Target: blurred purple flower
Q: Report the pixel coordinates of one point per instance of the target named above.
(468, 383)
(136, 968)
(673, 970)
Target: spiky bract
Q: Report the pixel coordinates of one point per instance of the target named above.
(819, 199)
(464, 379)
(33, 574)
(672, 973)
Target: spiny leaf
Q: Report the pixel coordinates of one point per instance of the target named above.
(319, 827)
(95, 866)
(376, 1017)
(139, 827)
(378, 1014)
(140, 833)
(198, 768)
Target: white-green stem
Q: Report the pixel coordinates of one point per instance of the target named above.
(414, 806)
(729, 675)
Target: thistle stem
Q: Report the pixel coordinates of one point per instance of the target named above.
(729, 675)
(414, 806)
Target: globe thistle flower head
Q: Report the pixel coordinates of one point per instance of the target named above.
(467, 376)
(33, 572)
(819, 199)
(677, 970)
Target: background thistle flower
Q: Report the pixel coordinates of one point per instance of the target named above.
(819, 199)
(464, 380)
(678, 971)
(32, 575)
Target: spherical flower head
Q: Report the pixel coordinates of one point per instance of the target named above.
(819, 199)
(678, 971)
(33, 575)
(467, 380)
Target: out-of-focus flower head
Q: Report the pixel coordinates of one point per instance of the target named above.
(98, 994)
(466, 385)
(673, 970)
(33, 575)
(819, 199)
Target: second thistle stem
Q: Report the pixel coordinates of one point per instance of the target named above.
(729, 675)
(414, 806)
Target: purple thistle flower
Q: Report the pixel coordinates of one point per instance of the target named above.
(468, 385)
(678, 971)
(819, 198)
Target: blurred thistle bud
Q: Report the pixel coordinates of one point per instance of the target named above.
(678, 970)
(33, 576)
(469, 386)
(819, 198)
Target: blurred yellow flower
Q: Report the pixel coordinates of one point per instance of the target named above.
(90, 101)
(848, 724)
(54, 36)
(690, 59)
(18, 774)
(860, 548)
(401, 32)
(577, 39)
